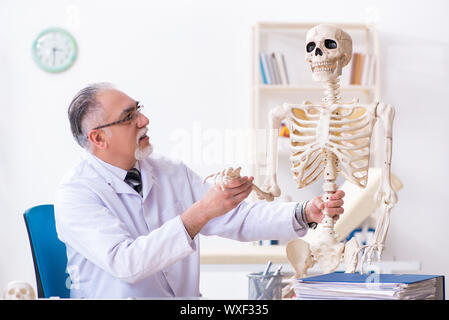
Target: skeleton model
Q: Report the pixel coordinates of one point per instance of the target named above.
(327, 138)
(331, 137)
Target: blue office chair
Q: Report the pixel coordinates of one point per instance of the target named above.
(49, 253)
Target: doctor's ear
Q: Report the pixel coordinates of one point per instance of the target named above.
(98, 138)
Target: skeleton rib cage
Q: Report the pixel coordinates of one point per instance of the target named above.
(315, 130)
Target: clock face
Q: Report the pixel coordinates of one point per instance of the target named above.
(54, 50)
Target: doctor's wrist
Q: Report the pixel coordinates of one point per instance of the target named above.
(194, 219)
(302, 213)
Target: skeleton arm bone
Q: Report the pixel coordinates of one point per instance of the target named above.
(385, 194)
(223, 177)
(385, 113)
(275, 117)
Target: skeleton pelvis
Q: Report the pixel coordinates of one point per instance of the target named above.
(329, 256)
(325, 248)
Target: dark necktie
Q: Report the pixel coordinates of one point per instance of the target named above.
(134, 180)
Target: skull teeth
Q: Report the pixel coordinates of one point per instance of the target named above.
(323, 66)
(322, 69)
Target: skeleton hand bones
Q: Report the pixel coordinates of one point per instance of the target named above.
(223, 177)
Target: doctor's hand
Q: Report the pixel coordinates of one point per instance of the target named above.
(315, 207)
(215, 203)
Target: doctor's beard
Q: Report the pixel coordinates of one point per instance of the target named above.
(142, 152)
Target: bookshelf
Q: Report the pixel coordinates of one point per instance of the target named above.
(289, 40)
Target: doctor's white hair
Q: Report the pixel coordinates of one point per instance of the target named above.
(85, 112)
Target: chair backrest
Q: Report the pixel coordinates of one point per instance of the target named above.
(49, 253)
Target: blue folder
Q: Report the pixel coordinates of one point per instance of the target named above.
(361, 278)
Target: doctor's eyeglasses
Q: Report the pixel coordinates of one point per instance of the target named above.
(130, 114)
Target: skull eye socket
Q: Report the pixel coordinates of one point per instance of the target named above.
(330, 44)
(310, 46)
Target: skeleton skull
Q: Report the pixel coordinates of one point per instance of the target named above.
(328, 50)
(18, 290)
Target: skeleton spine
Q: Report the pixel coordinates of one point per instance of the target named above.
(329, 186)
(332, 92)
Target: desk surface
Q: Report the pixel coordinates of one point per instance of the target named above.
(247, 254)
(253, 254)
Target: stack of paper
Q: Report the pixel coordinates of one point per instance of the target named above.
(356, 286)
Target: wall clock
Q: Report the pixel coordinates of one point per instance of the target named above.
(54, 50)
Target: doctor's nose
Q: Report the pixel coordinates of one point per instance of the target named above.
(142, 121)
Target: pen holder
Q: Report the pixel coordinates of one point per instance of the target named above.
(268, 287)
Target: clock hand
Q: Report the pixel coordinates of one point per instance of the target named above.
(54, 54)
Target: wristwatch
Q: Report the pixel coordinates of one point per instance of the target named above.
(300, 213)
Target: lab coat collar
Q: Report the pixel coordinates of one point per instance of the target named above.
(115, 176)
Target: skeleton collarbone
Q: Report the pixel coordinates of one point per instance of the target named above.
(344, 130)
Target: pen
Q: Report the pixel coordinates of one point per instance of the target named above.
(267, 268)
(276, 273)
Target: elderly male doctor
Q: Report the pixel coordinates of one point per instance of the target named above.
(131, 222)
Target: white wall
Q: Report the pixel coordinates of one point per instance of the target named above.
(189, 62)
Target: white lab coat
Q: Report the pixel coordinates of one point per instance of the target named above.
(121, 244)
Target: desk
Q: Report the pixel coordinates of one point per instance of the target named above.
(243, 254)
(253, 255)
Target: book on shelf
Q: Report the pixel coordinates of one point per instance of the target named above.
(352, 79)
(371, 75)
(373, 286)
(362, 69)
(273, 68)
(365, 70)
(278, 57)
(265, 72)
(268, 242)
